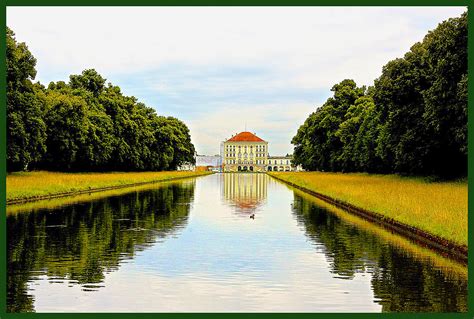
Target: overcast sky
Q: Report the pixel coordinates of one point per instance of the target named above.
(219, 68)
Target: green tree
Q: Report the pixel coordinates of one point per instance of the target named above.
(67, 128)
(404, 139)
(413, 120)
(318, 146)
(424, 104)
(174, 143)
(446, 98)
(85, 124)
(26, 130)
(89, 80)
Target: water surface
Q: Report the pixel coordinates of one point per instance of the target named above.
(191, 246)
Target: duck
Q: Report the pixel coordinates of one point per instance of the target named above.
(252, 216)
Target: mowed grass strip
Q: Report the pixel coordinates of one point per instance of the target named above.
(39, 184)
(439, 208)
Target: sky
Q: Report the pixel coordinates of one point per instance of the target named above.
(224, 69)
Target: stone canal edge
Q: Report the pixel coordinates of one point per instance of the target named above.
(422, 238)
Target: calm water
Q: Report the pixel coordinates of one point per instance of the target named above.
(191, 246)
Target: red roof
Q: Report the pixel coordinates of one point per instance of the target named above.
(245, 137)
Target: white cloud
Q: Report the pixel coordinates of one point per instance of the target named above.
(127, 39)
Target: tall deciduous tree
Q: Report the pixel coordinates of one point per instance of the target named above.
(412, 121)
(26, 130)
(85, 124)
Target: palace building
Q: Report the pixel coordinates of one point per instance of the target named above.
(244, 152)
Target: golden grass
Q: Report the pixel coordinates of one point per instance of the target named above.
(450, 267)
(30, 185)
(439, 208)
(56, 202)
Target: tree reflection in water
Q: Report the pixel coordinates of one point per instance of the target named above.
(400, 280)
(80, 243)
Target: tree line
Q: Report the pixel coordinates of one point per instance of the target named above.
(84, 124)
(413, 120)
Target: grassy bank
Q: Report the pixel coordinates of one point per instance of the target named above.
(42, 184)
(84, 197)
(438, 208)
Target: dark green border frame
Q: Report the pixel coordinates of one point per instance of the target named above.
(469, 314)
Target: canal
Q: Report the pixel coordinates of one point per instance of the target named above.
(191, 246)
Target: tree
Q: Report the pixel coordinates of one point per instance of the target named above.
(318, 146)
(413, 120)
(174, 142)
(26, 130)
(67, 128)
(424, 105)
(354, 143)
(89, 80)
(446, 98)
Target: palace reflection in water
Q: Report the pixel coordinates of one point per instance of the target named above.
(182, 247)
(245, 192)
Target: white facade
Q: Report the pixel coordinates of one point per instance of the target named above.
(245, 156)
(279, 164)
